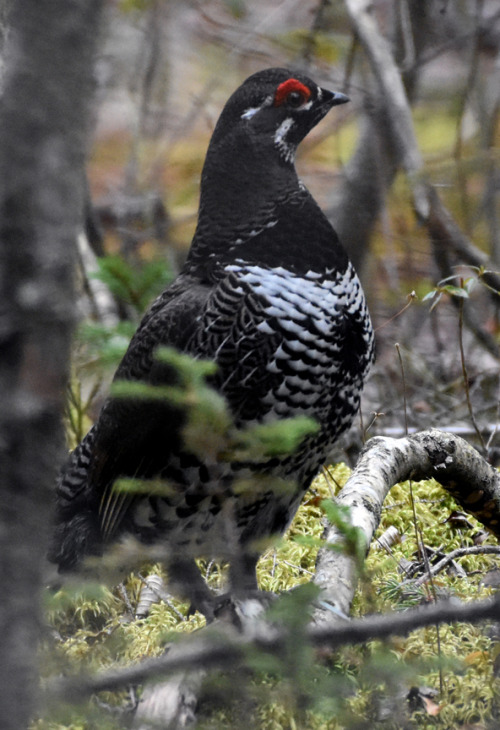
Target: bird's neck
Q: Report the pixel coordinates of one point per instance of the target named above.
(253, 207)
(241, 185)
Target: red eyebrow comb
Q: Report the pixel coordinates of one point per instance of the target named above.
(287, 87)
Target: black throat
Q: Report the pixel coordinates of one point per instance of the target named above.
(254, 208)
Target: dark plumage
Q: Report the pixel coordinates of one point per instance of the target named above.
(268, 293)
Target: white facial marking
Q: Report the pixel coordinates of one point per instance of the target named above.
(285, 150)
(251, 112)
(283, 130)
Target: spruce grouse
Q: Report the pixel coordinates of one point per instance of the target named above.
(270, 295)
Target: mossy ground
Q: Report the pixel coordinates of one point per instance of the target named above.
(358, 687)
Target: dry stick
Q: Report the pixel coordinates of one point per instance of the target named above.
(458, 553)
(126, 600)
(411, 297)
(465, 376)
(216, 649)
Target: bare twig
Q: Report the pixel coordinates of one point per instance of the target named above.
(214, 649)
(466, 376)
(458, 553)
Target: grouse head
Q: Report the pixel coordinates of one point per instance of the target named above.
(272, 111)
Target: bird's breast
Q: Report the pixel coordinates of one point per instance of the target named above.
(314, 337)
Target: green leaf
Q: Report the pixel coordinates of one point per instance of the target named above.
(455, 291)
(470, 284)
(452, 277)
(150, 487)
(125, 389)
(273, 439)
(191, 370)
(430, 295)
(105, 345)
(309, 541)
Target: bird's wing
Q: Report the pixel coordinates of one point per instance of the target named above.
(136, 436)
(234, 330)
(131, 438)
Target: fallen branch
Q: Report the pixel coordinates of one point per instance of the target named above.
(215, 649)
(456, 465)
(450, 558)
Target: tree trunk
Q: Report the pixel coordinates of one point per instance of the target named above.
(47, 83)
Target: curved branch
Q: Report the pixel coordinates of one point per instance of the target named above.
(384, 462)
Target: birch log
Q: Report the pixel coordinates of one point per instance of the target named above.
(449, 459)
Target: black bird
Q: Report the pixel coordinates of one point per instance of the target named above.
(269, 294)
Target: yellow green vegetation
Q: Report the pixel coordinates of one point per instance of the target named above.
(362, 687)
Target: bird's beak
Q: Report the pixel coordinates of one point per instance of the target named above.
(333, 98)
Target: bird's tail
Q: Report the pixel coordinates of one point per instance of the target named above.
(76, 533)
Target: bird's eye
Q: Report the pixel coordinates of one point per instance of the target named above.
(293, 93)
(295, 99)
